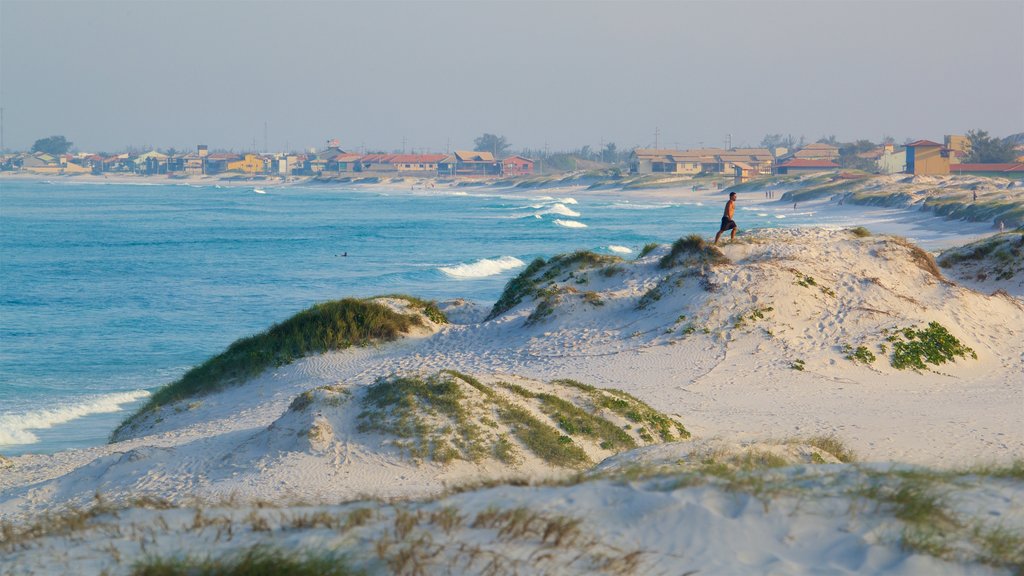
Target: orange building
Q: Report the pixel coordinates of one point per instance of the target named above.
(927, 157)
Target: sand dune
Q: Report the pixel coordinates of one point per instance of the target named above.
(754, 347)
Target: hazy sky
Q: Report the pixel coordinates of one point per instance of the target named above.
(113, 74)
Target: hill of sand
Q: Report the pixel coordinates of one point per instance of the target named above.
(758, 348)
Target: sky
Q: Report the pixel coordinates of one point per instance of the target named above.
(433, 76)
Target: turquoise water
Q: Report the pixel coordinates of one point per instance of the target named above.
(107, 291)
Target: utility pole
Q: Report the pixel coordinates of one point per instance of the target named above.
(728, 141)
(657, 133)
(2, 147)
(264, 136)
(403, 144)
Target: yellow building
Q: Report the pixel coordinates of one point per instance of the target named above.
(251, 164)
(958, 143)
(927, 157)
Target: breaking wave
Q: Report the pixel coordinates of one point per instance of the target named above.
(570, 224)
(561, 210)
(16, 428)
(482, 268)
(620, 249)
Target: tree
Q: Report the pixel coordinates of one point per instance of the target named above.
(985, 149)
(55, 145)
(610, 153)
(830, 139)
(492, 143)
(771, 141)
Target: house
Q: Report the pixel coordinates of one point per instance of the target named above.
(817, 151)
(346, 162)
(1013, 170)
(218, 162)
(516, 166)
(744, 172)
(149, 163)
(249, 164)
(418, 163)
(927, 157)
(378, 162)
(805, 166)
(893, 160)
(473, 163)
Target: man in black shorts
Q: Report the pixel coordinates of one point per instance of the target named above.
(727, 221)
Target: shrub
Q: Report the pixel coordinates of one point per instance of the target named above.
(860, 232)
(333, 325)
(933, 345)
(695, 246)
(647, 249)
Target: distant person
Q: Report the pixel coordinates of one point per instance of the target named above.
(727, 221)
(975, 195)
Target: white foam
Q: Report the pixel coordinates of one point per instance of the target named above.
(620, 249)
(16, 428)
(780, 216)
(561, 210)
(631, 206)
(570, 224)
(482, 268)
(568, 201)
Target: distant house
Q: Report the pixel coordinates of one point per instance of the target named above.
(817, 151)
(927, 158)
(473, 163)
(151, 162)
(1012, 170)
(417, 163)
(345, 163)
(249, 164)
(218, 162)
(744, 172)
(516, 166)
(804, 166)
(893, 160)
(700, 160)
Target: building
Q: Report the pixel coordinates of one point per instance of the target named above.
(150, 163)
(893, 160)
(516, 166)
(1013, 170)
(817, 151)
(218, 162)
(345, 162)
(249, 164)
(805, 166)
(416, 163)
(927, 158)
(473, 163)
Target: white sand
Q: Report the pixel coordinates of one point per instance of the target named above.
(721, 371)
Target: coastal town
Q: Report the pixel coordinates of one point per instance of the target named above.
(918, 157)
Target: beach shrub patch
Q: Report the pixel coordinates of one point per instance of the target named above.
(692, 250)
(858, 354)
(453, 416)
(917, 348)
(647, 249)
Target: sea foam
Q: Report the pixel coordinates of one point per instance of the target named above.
(570, 224)
(16, 428)
(561, 210)
(482, 268)
(620, 249)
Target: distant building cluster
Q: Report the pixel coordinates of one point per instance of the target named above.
(330, 161)
(920, 157)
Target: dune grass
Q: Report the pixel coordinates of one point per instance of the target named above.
(920, 257)
(333, 325)
(691, 250)
(530, 283)
(255, 561)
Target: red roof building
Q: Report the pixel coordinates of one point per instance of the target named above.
(516, 166)
(803, 165)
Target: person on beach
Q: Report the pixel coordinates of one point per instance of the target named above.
(727, 221)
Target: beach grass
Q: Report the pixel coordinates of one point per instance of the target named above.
(255, 561)
(531, 283)
(691, 250)
(333, 325)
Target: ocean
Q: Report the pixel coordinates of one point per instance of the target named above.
(108, 291)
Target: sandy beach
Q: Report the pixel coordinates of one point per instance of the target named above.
(775, 354)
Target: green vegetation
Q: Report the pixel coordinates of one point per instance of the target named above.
(333, 325)
(256, 561)
(531, 283)
(932, 345)
(696, 250)
(647, 249)
(809, 281)
(860, 354)
(833, 445)
(451, 415)
(427, 307)
(797, 364)
(860, 232)
(1004, 253)
(593, 298)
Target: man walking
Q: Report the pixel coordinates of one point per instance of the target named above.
(727, 221)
